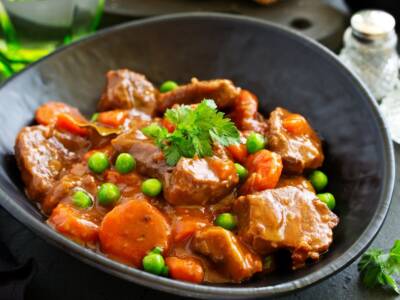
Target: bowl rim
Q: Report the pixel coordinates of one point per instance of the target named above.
(205, 291)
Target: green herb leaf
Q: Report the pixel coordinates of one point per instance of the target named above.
(172, 155)
(197, 129)
(394, 259)
(377, 267)
(156, 132)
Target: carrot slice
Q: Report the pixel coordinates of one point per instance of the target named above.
(66, 122)
(48, 112)
(131, 230)
(71, 223)
(265, 168)
(185, 269)
(185, 227)
(238, 152)
(296, 124)
(167, 124)
(113, 118)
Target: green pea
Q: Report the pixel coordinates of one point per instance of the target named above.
(226, 220)
(125, 163)
(319, 180)
(94, 117)
(151, 187)
(98, 162)
(168, 86)
(241, 171)
(165, 271)
(154, 263)
(255, 142)
(108, 194)
(82, 199)
(328, 199)
(157, 250)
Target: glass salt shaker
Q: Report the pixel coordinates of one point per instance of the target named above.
(370, 50)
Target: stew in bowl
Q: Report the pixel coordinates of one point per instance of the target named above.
(186, 181)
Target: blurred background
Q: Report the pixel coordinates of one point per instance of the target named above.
(31, 29)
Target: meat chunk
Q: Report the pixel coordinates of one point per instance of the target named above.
(74, 224)
(191, 181)
(63, 188)
(297, 181)
(41, 157)
(126, 89)
(288, 218)
(295, 141)
(199, 181)
(132, 229)
(232, 257)
(222, 91)
(149, 158)
(245, 113)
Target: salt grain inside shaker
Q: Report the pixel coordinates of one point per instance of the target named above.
(370, 50)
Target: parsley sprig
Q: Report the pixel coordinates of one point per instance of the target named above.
(196, 130)
(378, 267)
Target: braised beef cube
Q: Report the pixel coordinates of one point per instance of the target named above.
(295, 141)
(288, 218)
(126, 89)
(41, 158)
(200, 181)
(222, 91)
(72, 142)
(245, 113)
(191, 182)
(231, 256)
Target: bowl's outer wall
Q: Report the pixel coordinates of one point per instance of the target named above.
(282, 69)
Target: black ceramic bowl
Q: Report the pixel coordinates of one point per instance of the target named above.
(281, 67)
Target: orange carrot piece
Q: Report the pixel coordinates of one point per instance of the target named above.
(71, 223)
(167, 124)
(185, 227)
(48, 112)
(296, 124)
(66, 122)
(265, 168)
(131, 230)
(238, 152)
(113, 118)
(185, 269)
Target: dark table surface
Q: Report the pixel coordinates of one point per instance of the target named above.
(58, 275)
